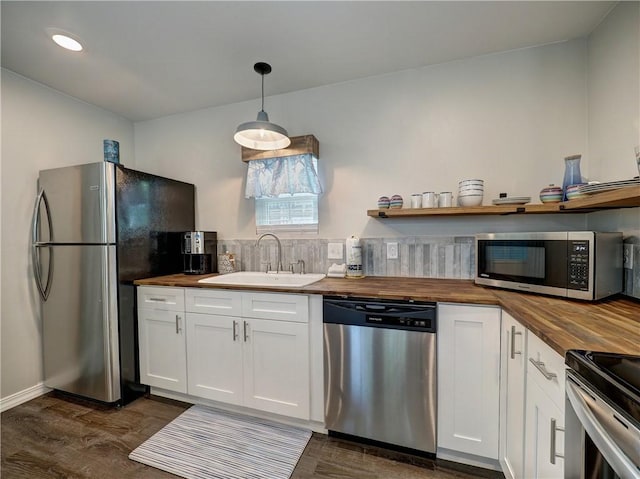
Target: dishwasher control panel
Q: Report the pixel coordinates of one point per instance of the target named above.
(417, 316)
(426, 323)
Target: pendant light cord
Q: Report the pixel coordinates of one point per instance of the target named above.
(262, 107)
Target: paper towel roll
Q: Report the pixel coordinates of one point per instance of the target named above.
(354, 257)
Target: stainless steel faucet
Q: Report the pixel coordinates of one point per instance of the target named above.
(299, 262)
(302, 267)
(279, 257)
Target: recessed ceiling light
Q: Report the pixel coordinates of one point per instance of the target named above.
(65, 41)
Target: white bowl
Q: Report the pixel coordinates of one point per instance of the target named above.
(475, 200)
(470, 192)
(470, 182)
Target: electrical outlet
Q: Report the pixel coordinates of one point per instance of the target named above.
(392, 250)
(334, 251)
(628, 256)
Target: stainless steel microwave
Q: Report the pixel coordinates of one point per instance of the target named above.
(575, 264)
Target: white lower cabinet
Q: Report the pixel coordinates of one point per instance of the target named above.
(512, 397)
(468, 381)
(229, 351)
(276, 367)
(544, 423)
(214, 357)
(162, 338)
(544, 438)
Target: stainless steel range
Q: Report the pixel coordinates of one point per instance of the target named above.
(602, 438)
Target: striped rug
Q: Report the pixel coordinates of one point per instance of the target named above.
(206, 443)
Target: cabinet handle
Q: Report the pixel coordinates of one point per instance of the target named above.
(513, 342)
(540, 367)
(178, 328)
(554, 454)
(159, 300)
(244, 330)
(235, 330)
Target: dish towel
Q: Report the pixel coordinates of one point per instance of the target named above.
(337, 270)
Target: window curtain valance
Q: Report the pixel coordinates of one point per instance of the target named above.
(287, 175)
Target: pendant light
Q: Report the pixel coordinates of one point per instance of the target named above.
(262, 134)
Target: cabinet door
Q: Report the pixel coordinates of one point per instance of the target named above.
(512, 400)
(469, 379)
(543, 442)
(163, 353)
(214, 357)
(276, 367)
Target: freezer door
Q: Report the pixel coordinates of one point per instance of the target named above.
(81, 204)
(80, 322)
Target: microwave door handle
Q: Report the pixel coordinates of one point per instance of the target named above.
(600, 435)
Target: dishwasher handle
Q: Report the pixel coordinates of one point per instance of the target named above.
(378, 306)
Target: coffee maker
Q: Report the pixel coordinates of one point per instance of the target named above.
(198, 250)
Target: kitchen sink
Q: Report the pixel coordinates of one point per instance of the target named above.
(256, 278)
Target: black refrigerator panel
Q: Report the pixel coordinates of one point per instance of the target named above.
(151, 212)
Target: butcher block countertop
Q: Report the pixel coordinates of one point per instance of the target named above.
(611, 325)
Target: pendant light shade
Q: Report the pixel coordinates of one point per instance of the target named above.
(262, 134)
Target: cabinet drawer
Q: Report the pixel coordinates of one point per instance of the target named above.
(281, 307)
(160, 297)
(214, 301)
(550, 375)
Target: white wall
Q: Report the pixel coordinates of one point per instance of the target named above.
(614, 109)
(41, 128)
(508, 118)
(614, 94)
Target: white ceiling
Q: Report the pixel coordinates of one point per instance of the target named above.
(147, 59)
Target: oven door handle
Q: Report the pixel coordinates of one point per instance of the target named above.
(609, 432)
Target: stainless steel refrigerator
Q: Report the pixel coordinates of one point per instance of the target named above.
(96, 228)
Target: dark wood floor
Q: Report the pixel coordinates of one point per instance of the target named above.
(52, 437)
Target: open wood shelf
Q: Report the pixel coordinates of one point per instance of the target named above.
(620, 198)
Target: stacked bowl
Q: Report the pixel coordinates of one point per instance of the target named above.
(470, 192)
(551, 194)
(573, 191)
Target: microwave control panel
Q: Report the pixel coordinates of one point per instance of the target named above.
(579, 265)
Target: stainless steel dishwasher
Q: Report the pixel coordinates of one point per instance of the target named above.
(380, 371)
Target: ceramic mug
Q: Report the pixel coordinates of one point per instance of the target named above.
(416, 200)
(429, 199)
(445, 199)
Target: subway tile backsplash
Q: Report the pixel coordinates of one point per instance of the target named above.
(418, 256)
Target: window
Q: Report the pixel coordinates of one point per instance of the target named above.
(286, 193)
(297, 212)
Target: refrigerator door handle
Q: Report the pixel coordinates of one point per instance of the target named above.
(35, 244)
